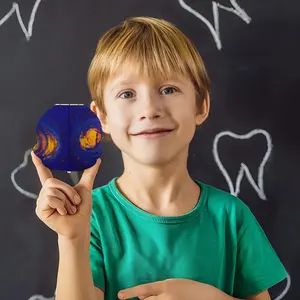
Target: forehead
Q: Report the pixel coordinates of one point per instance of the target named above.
(130, 74)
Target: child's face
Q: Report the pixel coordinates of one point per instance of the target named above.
(134, 105)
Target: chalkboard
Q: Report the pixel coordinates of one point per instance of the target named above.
(249, 146)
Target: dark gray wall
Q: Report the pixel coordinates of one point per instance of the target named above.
(254, 67)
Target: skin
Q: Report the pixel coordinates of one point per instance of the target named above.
(158, 166)
(155, 176)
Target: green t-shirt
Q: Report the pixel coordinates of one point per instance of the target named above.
(219, 242)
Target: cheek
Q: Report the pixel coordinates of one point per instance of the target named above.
(185, 115)
(118, 121)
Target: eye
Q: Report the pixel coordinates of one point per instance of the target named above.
(169, 90)
(127, 95)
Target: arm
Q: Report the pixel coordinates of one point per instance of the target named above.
(261, 296)
(74, 280)
(99, 294)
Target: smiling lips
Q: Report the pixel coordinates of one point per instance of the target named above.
(154, 132)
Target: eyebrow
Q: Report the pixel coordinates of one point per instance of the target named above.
(120, 83)
(128, 82)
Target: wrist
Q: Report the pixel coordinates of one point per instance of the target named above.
(75, 240)
(75, 248)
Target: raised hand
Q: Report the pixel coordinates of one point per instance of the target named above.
(63, 208)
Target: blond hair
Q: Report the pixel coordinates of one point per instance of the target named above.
(157, 48)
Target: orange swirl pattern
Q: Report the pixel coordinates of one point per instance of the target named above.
(90, 139)
(46, 145)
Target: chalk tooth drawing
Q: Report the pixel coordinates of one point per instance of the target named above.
(40, 297)
(244, 170)
(16, 9)
(14, 173)
(285, 291)
(73, 175)
(215, 29)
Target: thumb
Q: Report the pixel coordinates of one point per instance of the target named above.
(89, 175)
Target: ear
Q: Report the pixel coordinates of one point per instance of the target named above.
(102, 116)
(203, 111)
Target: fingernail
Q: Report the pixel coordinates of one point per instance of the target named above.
(120, 295)
(73, 209)
(76, 199)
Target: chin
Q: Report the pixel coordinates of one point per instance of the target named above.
(157, 159)
(156, 156)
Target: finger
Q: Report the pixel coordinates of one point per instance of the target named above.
(89, 175)
(43, 172)
(52, 192)
(51, 203)
(143, 290)
(69, 191)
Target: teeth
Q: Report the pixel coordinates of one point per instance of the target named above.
(16, 10)
(244, 170)
(215, 28)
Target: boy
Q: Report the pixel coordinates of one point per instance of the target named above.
(153, 232)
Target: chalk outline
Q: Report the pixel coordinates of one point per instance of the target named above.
(16, 170)
(40, 297)
(74, 176)
(215, 30)
(285, 291)
(244, 169)
(16, 9)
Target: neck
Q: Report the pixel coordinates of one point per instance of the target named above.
(165, 188)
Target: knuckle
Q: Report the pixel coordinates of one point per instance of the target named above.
(55, 192)
(48, 198)
(48, 182)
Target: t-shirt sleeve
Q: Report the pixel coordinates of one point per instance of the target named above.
(258, 267)
(96, 255)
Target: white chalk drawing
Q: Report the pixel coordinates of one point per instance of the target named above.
(285, 291)
(16, 9)
(40, 297)
(244, 170)
(215, 29)
(74, 176)
(16, 170)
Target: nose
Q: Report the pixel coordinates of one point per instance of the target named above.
(151, 107)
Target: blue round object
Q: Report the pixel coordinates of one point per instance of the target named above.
(68, 138)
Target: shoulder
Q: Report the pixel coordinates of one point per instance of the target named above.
(104, 199)
(220, 199)
(225, 207)
(101, 193)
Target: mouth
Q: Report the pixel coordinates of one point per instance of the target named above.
(154, 132)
